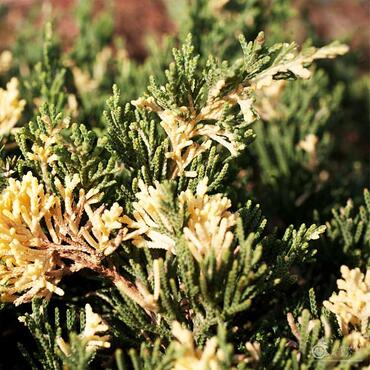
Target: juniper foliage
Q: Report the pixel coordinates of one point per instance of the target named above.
(47, 331)
(191, 202)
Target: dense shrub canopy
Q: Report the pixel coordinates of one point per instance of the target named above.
(201, 209)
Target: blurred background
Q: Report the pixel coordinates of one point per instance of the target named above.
(136, 19)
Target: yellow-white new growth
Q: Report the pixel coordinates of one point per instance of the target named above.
(192, 358)
(43, 152)
(97, 233)
(6, 58)
(11, 107)
(208, 229)
(297, 63)
(26, 265)
(184, 129)
(86, 82)
(38, 230)
(93, 334)
(94, 329)
(151, 219)
(352, 304)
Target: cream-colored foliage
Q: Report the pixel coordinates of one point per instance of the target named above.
(93, 334)
(264, 88)
(209, 224)
(6, 58)
(151, 219)
(37, 229)
(72, 106)
(189, 137)
(297, 62)
(101, 64)
(102, 227)
(293, 326)
(352, 304)
(11, 107)
(309, 143)
(43, 152)
(208, 227)
(356, 340)
(254, 349)
(94, 329)
(268, 100)
(27, 267)
(241, 95)
(149, 300)
(184, 128)
(86, 82)
(192, 358)
(97, 232)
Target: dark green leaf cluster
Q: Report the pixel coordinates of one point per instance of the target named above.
(294, 148)
(66, 150)
(349, 232)
(47, 330)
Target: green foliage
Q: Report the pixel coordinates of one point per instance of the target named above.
(226, 106)
(46, 81)
(154, 359)
(136, 140)
(65, 150)
(293, 148)
(93, 35)
(211, 23)
(46, 331)
(190, 290)
(349, 232)
(7, 165)
(317, 348)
